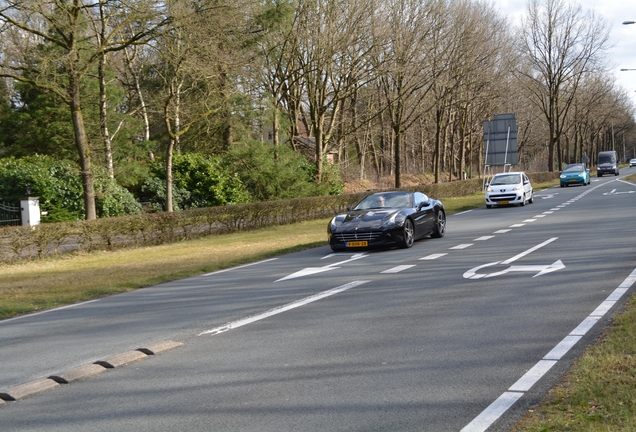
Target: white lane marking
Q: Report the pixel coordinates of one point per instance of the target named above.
(47, 311)
(555, 209)
(548, 212)
(487, 417)
(281, 309)
(398, 269)
(516, 225)
(483, 238)
(462, 246)
(315, 270)
(503, 231)
(492, 413)
(461, 213)
(562, 348)
(433, 256)
(529, 220)
(533, 375)
(532, 249)
(239, 267)
(539, 216)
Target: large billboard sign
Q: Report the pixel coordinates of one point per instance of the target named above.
(500, 140)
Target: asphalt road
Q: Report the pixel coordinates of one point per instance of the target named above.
(466, 332)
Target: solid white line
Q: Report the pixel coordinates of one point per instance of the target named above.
(532, 249)
(434, 256)
(585, 326)
(533, 375)
(398, 269)
(284, 308)
(492, 413)
(239, 267)
(47, 311)
(461, 213)
(562, 348)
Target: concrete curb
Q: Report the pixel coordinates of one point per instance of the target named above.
(28, 389)
(160, 347)
(121, 359)
(78, 373)
(44, 384)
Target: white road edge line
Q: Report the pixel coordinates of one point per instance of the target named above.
(281, 309)
(47, 311)
(496, 409)
(239, 267)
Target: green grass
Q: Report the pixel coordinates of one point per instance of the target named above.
(598, 393)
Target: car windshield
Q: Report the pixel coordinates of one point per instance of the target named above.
(385, 200)
(574, 168)
(506, 179)
(606, 159)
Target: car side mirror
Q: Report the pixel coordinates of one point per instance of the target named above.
(349, 208)
(423, 204)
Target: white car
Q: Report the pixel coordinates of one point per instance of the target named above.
(632, 162)
(510, 188)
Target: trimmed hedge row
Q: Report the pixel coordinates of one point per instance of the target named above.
(159, 228)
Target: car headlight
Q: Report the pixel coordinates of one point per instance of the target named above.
(582, 175)
(396, 219)
(489, 189)
(562, 176)
(517, 188)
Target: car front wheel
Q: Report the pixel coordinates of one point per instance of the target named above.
(408, 233)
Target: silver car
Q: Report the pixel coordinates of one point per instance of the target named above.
(510, 188)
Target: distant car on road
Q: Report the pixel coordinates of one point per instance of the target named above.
(632, 162)
(511, 188)
(575, 174)
(386, 219)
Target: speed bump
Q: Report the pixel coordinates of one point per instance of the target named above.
(28, 389)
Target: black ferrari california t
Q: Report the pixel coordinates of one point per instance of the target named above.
(387, 219)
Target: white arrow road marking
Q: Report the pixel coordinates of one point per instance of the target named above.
(315, 270)
(539, 269)
(613, 192)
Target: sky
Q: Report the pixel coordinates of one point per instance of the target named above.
(622, 55)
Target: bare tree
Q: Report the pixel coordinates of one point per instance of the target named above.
(561, 44)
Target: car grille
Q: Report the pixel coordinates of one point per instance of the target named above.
(503, 197)
(365, 235)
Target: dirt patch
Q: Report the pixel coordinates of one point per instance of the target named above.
(407, 180)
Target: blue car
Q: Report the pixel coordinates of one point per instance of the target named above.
(575, 174)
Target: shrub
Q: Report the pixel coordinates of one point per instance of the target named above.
(58, 184)
(198, 181)
(277, 172)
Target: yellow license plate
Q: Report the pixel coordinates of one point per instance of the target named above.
(358, 244)
(504, 202)
(572, 180)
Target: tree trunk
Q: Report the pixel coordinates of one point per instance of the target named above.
(82, 147)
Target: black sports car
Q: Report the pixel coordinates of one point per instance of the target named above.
(388, 219)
